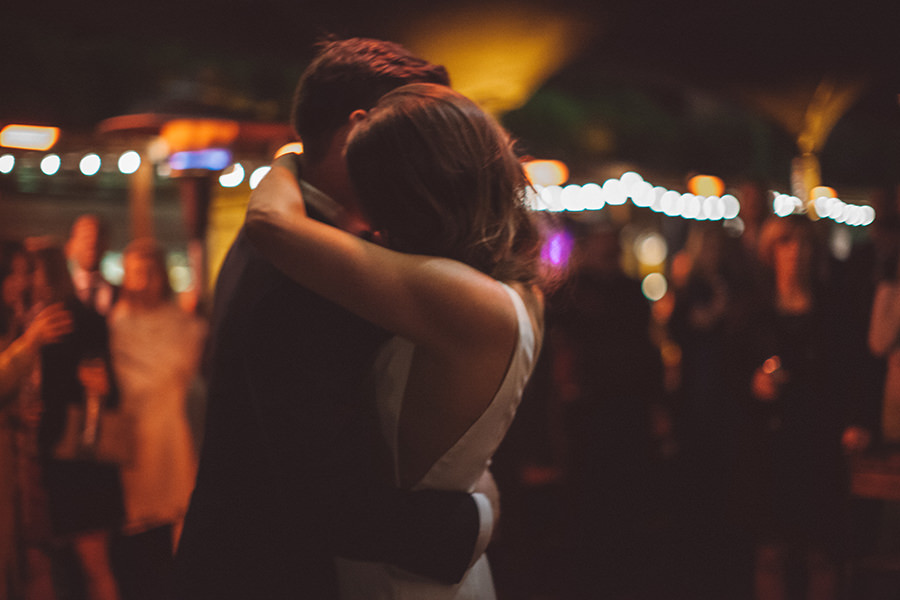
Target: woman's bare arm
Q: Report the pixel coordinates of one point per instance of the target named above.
(437, 303)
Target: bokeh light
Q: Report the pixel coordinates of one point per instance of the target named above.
(90, 164)
(50, 164)
(129, 162)
(7, 163)
(654, 286)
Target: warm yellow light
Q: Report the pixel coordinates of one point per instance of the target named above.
(292, 148)
(498, 53)
(822, 191)
(546, 172)
(29, 137)
(185, 135)
(654, 286)
(706, 185)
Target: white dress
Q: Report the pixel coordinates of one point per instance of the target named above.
(458, 469)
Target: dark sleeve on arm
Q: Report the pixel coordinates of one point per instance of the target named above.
(326, 441)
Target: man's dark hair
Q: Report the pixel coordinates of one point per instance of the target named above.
(347, 75)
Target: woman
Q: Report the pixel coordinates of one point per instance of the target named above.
(796, 489)
(156, 350)
(20, 493)
(84, 497)
(438, 181)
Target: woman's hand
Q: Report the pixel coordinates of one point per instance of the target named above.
(49, 326)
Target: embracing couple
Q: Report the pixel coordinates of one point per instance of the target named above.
(375, 322)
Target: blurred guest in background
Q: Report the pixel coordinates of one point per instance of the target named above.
(25, 567)
(793, 484)
(87, 243)
(609, 372)
(84, 496)
(156, 348)
(709, 301)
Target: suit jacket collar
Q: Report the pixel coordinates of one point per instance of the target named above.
(320, 206)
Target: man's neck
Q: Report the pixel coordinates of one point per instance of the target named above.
(332, 181)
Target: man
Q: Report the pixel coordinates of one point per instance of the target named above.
(293, 469)
(85, 248)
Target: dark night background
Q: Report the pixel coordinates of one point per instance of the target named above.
(661, 84)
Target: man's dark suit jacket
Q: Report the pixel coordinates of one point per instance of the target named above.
(293, 470)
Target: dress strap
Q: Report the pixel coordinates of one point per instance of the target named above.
(526, 331)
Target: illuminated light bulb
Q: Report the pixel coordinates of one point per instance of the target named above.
(90, 164)
(680, 201)
(822, 205)
(691, 206)
(651, 249)
(822, 191)
(630, 181)
(868, 215)
(783, 205)
(7, 163)
(546, 172)
(714, 208)
(50, 164)
(233, 176)
(654, 286)
(551, 198)
(706, 185)
(571, 198)
(731, 207)
(845, 212)
(532, 199)
(836, 209)
(658, 192)
(850, 215)
(669, 203)
(129, 162)
(592, 196)
(642, 194)
(257, 176)
(613, 192)
(29, 137)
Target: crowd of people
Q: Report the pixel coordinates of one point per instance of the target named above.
(692, 448)
(702, 447)
(96, 448)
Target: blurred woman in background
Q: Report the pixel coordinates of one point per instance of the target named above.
(84, 496)
(156, 348)
(795, 485)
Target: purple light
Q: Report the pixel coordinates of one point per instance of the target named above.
(557, 249)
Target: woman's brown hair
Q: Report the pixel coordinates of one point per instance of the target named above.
(436, 175)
